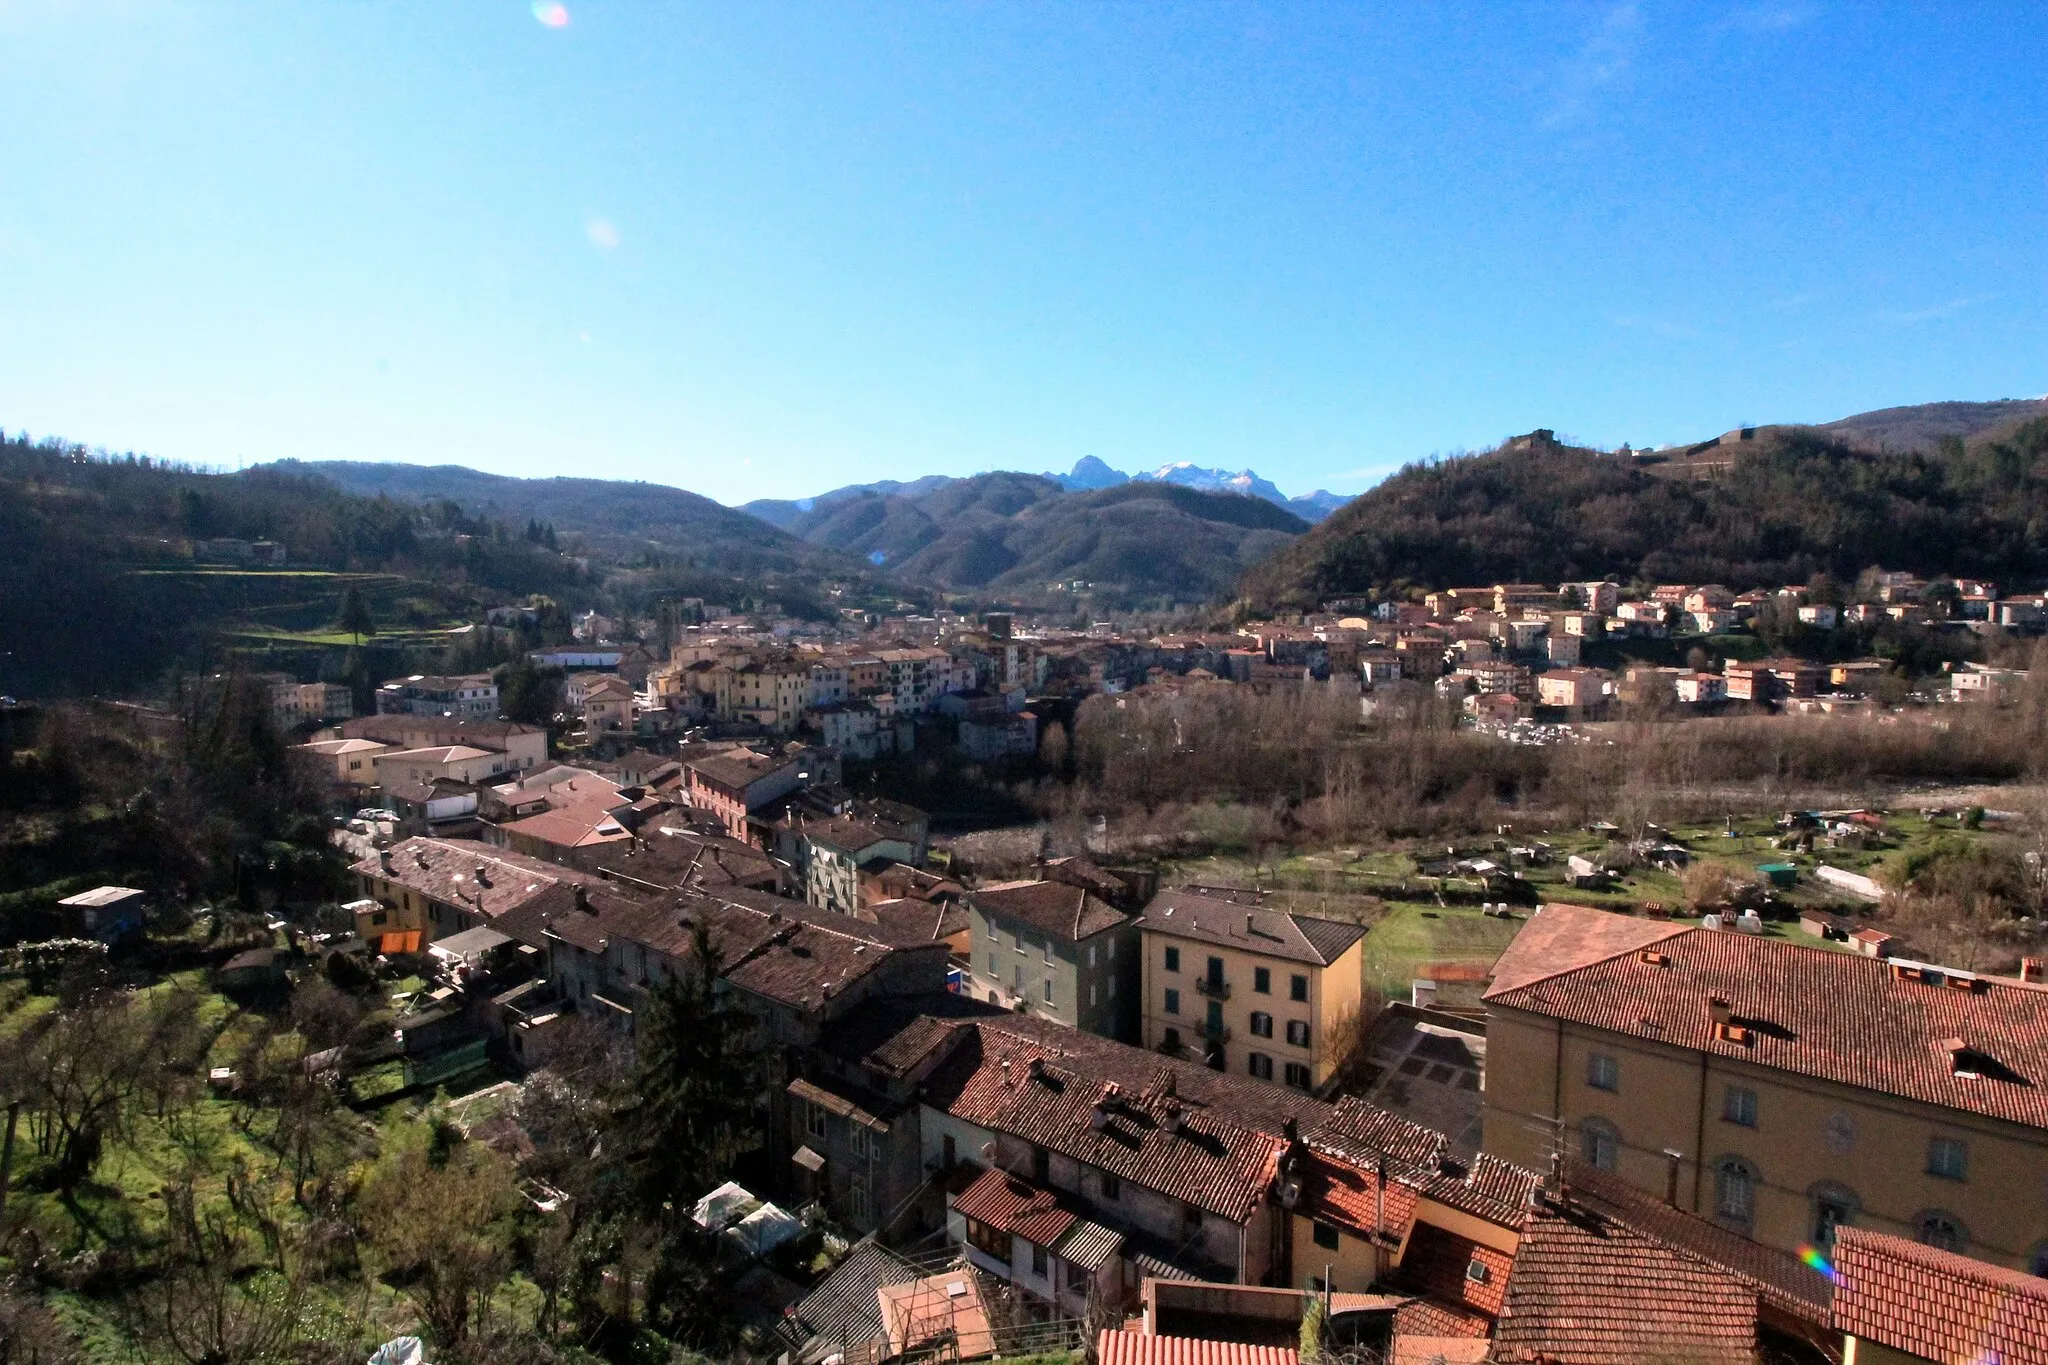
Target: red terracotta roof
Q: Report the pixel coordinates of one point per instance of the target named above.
(1115, 1347)
(1560, 937)
(1836, 1016)
(1780, 1277)
(1010, 1204)
(1345, 1196)
(1590, 1290)
(1358, 1134)
(1936, 1304)
(1429, 1318)
(1438, 1264)
(1008, 1083)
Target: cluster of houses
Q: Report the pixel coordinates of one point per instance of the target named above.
(1079, 1099)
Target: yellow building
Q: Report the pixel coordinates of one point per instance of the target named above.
(1781, 1089)
(1264, 992)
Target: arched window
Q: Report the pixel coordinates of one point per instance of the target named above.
(1942, 1229)
(1735, 1183)
(1599, 1143)
(1834, 1206)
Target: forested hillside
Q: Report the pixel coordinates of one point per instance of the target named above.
(1794, 502)
(104, 594)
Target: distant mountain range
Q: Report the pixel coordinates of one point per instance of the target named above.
(1088, 475)
(1026, 538)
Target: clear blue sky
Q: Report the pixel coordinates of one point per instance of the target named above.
(764, 250)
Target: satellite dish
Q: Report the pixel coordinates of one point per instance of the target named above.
(988, 1151)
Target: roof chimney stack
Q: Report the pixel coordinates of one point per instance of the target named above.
(1720, 1011)
(2034, 970)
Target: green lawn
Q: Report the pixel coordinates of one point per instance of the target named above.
(1454, 946)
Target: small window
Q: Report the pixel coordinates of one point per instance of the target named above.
(1112, 1187)
(1834, 1206)
(1948, 1158)
(1298, 1076)
(1297, 988)
(1738, 1105)
(995, 967)
(1091, 955)
(1297, 1032)
(1943, 1230)
(1017, 979)
(1041, 1165)
(1112, 950)
(814, 1120)
(1091, 995)
(1599, 1143)
(1262, 980)
(1262, 1024)
(857, 1139)
(1735, 1191)
(1477, 1271)
(857, 1199)
(1038, 1260)
(1172, 1000)
(1603, 1072)
(1047, 984)
(1173, 959)
(1261, 1066)
(1327, 1237)
(1048, 952)
(1169, 1041)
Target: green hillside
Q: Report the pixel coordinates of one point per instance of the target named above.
(1781, 507)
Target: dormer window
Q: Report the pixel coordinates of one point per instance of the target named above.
(1476, 1271)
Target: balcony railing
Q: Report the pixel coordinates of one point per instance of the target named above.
(1212, 1030)
(1215, 987)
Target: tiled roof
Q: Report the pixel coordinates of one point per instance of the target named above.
(1936, 1304)
(1007, 1083)
(1560, 937)
(1439, 1263)
(1781, 1278)
(1590, 1290)
(1014, 1205)
(1359, 1134)
(1432, 1318)
(738, 770)
(1067, 913)
(1115, 1347)
(445, 870)
(583, 824)
(1839, 1017)
(1235, 919)
(1424, 1350)
(1343, 1195)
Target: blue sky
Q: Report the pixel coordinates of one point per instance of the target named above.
(764, 250)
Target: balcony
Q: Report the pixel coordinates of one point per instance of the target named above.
(1214, 1031)
(1215, 987)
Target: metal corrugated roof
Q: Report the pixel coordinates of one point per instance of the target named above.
(1088, 1245)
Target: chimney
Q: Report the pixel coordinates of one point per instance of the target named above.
(582, 898)
(1006, 1071)
(1720, 1011)
(1247, 925)
(2034, 970)
(1672, 1156)
(1170, 1120)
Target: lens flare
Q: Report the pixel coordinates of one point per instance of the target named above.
(1814, 1258)
(551, 13)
